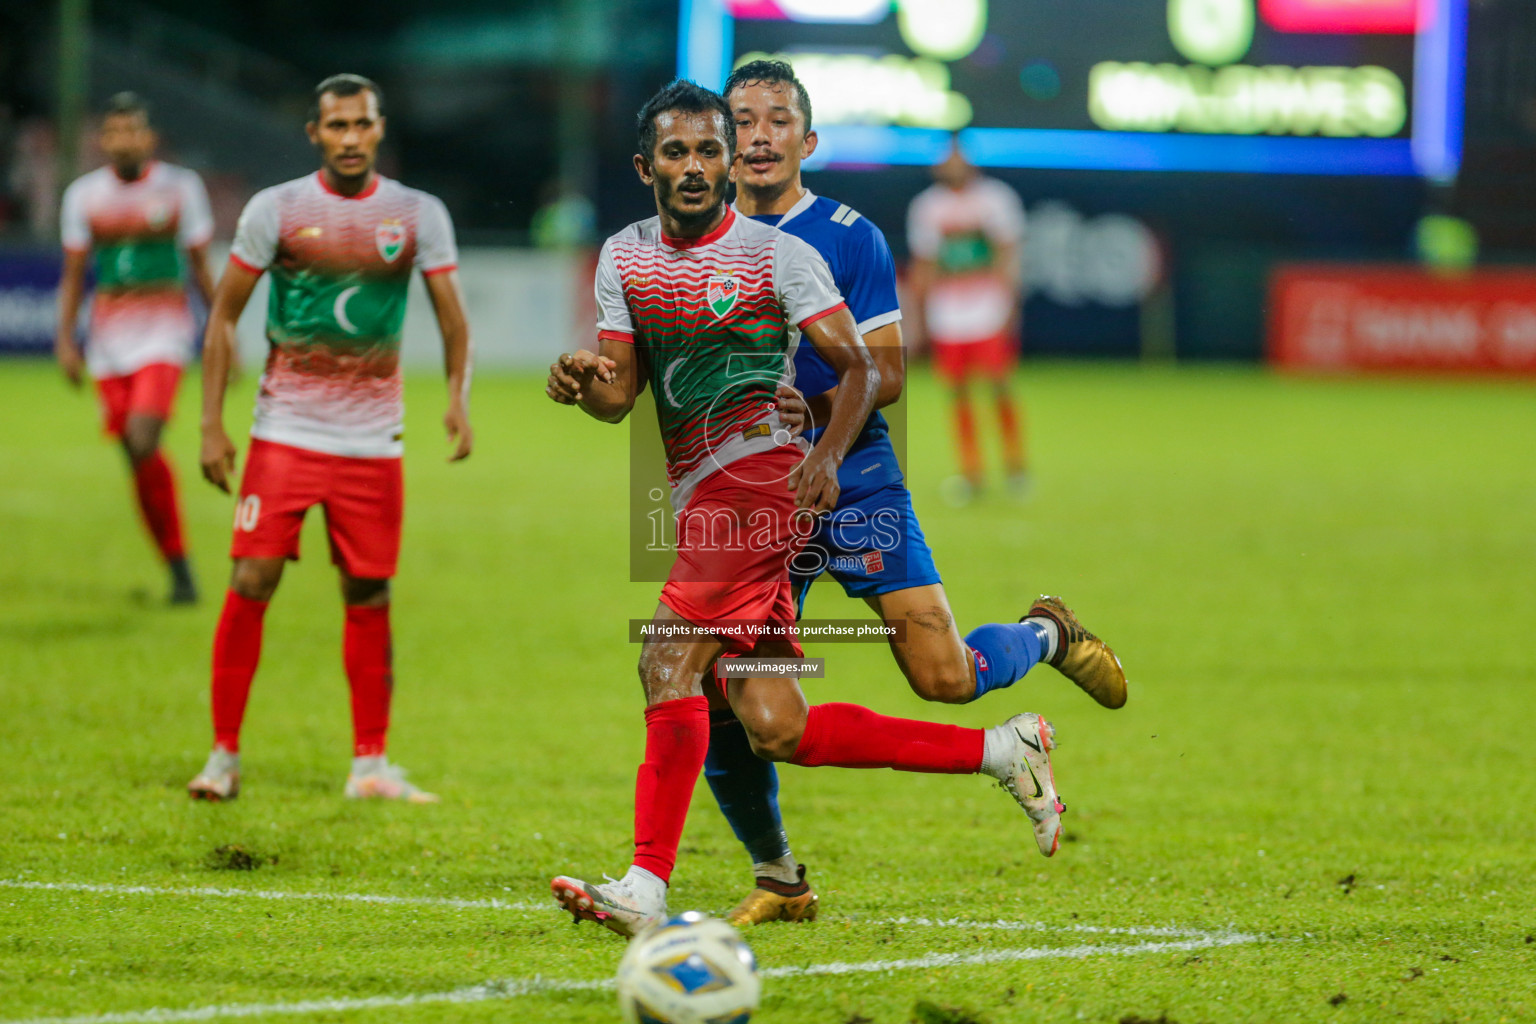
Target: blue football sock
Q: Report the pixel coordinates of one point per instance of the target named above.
(1004, 651)
(747, 789)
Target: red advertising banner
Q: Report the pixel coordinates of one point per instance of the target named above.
(1350, 317)
(1340, 16)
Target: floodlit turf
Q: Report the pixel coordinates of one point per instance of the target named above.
(1322, 592)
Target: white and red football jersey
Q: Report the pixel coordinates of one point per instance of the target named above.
(137, 232)
(962, 231)
(717, 320)
(340, 268)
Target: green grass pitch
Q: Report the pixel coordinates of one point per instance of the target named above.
(1322, 786)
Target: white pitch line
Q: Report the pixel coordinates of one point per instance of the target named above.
(512, 988)
(958, 924)
(523, 906)
(276, 894)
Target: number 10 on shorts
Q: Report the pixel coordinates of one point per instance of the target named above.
(247, 512)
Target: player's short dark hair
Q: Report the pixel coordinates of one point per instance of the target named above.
(688, 98)
(345, 85)
(770, 72)
(126, 103)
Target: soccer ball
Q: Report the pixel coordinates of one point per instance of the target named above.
(693, 969)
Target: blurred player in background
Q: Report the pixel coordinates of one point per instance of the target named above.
(147, 223)
(693, 301)
(341, 245)
(871, 543)
(965, 234)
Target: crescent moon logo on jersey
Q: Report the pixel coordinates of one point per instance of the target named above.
(666, 382)
(390, 238)
(340, 309)
(720, 292)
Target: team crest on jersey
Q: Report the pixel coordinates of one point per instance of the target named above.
(720, 292)
(390, 238)
(157, 215)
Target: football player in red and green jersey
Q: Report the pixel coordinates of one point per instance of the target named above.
(340, 245)
(707, 307)
(147, 223)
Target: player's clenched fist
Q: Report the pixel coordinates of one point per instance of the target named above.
(572, 374)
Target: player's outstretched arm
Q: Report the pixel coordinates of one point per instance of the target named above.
(448, 304)
(837, 340)
(604, 384)
(71, 287)
(229, 298)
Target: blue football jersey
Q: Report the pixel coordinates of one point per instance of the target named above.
(865, 274)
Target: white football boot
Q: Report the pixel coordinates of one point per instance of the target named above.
(220, 778)
(374, 778)
(1025, 772)
(616, 905)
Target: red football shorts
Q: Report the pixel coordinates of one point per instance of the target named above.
(957, 361)
(734, 544)
(148, 391)
(363, 501)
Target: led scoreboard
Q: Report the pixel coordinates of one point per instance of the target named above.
(1281, 86)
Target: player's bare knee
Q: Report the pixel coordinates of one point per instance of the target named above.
(773, 736)
(256, 579)
(774, 742)
(663, 674)
(944, 684)
(141, 436)
(363, 592)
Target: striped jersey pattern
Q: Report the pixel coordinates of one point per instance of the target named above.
(136, 232)
(340, 268)
(717, 320)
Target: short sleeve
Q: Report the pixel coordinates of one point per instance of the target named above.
(1005, 226)
(924, 239)
(436, 250)
(255, 243)
(74, 224)
(867, 277)
(613, 319)
(804, 282)
(195, 226)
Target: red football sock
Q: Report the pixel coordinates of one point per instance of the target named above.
(236, 650)
(1013, 435)
(965, 437)
(849, 736)
(366, 651)
(156, 486)
(676, 739)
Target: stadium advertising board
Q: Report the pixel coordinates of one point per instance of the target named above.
(29, 283)
(1327, 317)
(1286, 86)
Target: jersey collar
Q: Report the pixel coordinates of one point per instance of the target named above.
(801, 205)
(373, 186)
(714, 236)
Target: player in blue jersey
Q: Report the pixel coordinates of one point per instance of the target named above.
(871, 543)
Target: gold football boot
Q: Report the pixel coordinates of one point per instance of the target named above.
(1081, 656)
(775, 901)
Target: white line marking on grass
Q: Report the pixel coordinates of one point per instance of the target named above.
(524, 906)
(512, 988)
(509, 989)
(276, 894)
(957, 924)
